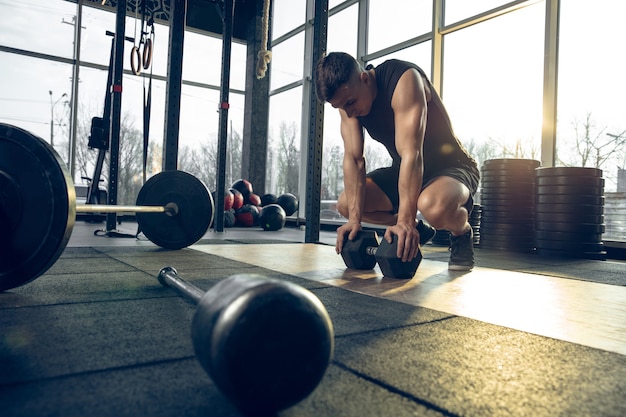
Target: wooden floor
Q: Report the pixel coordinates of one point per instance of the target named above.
(581, 312)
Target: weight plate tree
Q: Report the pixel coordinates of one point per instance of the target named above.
(38, 207)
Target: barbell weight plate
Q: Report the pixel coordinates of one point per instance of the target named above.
(595, 209)
(579, 217)
(504, 175)
(512, 163)
(37, 206)
(568, 236)
(194, 209)
(570, 227)
(574, 180)
(569, 199)
(568, 171)
(570, 190)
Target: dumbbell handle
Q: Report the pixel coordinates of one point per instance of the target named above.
(371, 250)
(168, 277)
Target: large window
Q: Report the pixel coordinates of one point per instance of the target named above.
(287, 15)
(395, 21)
(492, 85)
(37, 81)
(591, 128)
(284, 136)
(35, 96)
(43, 26)
(457, 10)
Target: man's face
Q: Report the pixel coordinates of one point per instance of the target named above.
(354, 97)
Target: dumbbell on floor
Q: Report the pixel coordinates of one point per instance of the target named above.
(365, 251)
(264, 342)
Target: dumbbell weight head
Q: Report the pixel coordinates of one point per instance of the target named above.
(266, 343)
(355, 252)
(392, 266)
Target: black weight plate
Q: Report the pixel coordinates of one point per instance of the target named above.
(489, 196)
(569, 217)
(571, 236)
(568, 171)
(195, 209)
(570, 227)
(493, 187)
(505, 175)
(569, 190)
(38, 206)
(508, 173)
(506, 202)
(489, 231)
(569, 199)
(505, 216)
(506, 182)
(512, 162)
(574, 246)
(577, 181)
(509, 207)
(569, 208)
(507, 213)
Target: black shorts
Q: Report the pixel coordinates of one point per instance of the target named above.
(387, 179)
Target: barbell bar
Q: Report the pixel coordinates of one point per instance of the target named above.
(170, 209)
(265, 342)
(38, 207)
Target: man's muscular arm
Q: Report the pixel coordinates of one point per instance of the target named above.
(409, 104)
(354, 177)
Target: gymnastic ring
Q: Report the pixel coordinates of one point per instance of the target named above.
(135, 57)
(147, 53)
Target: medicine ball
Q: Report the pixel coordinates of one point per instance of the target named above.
(247, 216)
(289, 203)
(272, 217)
(269, 198)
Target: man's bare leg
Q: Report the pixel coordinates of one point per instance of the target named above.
(442, 204)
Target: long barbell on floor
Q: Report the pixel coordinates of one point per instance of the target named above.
(38, 207)
(265, 342)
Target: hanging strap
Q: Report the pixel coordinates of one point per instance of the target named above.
(146, 121)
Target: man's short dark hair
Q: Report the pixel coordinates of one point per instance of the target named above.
(332, 71)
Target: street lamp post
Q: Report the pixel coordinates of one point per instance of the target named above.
(52, 104)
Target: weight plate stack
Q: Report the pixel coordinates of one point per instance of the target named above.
(508, 201)
(474, 221)
(569, 212)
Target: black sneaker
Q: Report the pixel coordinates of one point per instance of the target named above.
(461, 252)
(426, 231)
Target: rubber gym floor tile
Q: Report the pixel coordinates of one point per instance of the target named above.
(158, 389)
(96, 264)
(354, 313)
(83, 288)
(471, 368)
(66, 339)
(81, 253)
(343, 393)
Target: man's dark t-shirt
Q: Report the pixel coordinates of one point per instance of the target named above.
(441, 149)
